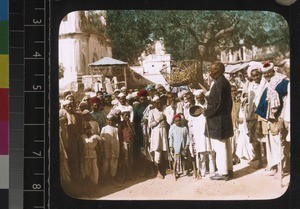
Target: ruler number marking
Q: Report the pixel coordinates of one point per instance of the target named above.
(36, 55)
(38, 153)
(36, 87)
(36, 186)
(37, 21)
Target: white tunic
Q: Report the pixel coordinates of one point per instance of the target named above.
(159, 137)
(197, 129)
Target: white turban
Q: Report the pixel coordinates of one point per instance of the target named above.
(254, 66)
(198, 92)
(129, 96)
(267, 66)
(121, 95)
(155, 98)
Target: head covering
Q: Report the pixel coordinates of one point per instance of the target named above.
(198, 92)
(95, 100)
(65, 102)
(121, 95)
(267, 66)
(135, 103)
(129, 96)
(182, 93)
(69, 95)
(106, 95)
(117, 90)
(85, 112)
(125, 111)
(66, 93)
(134, 94)
(115, 112)
(109, 116)
(195, 110)
(176, 116)
(157, 86)
(123, 88)
(142, 93)
(254, 66)
(155, 98)
(149, 87)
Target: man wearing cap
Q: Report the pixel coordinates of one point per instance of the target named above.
(115, 100)
(123, 105)
(71, 122)
(256, 134)
(269, 107)
(124, 90)
(159, 137)
(90, 165)
(110, 149)
(108, 104)
(219, 121)
(86, 116)
(202, 143)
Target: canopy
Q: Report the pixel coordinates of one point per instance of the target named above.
(107, 61)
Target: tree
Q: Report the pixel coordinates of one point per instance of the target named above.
(130, 33)
(193, 34)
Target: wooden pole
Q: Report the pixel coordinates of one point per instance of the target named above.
(125, 77)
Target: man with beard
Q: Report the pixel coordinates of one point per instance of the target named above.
(97, 112)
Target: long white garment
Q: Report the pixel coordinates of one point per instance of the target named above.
(287, 113)
(273, 149)
(197, 128)
(244, 147)
(159, 137)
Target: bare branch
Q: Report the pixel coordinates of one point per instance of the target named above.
(225, 31)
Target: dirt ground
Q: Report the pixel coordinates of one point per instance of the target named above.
(248, 183)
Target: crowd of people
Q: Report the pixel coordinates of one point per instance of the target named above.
(188, 132)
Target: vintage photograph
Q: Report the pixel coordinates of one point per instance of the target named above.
(174, 105)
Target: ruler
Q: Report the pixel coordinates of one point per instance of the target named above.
(35, 100)
(29, 160)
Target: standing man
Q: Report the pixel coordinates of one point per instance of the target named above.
(270, 107)
(159, 137)
(219, 121)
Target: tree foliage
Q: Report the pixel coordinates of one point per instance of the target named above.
(192, 34)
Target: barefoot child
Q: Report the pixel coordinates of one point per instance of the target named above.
(178, 142)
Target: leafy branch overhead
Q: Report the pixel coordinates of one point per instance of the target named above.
(192, 34)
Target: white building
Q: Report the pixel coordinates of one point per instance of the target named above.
(152, 64)
(79, 45)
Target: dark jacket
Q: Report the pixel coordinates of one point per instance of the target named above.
(218, 112)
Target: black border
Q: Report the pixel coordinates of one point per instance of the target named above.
(59, 8)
